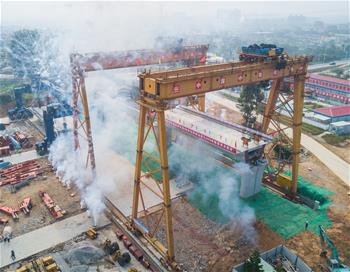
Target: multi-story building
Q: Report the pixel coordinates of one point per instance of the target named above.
(328, 89)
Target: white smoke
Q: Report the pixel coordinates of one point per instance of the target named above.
(112, 113)
(213, 184)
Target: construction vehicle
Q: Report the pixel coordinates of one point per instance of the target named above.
(124, 259)
(20, 112)
(91, 233)
(44, 264)
(333, 263)
(110, 247)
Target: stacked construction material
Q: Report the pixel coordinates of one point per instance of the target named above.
(22, 139)
(4, 146)
(53, 208)
(10, 211)
(26, 205)
(20, 172)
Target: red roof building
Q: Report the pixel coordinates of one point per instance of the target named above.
(328, 88)
(336, 113)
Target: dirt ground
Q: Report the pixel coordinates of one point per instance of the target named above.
(5, 108)
(39, 215)
(307, 244)
(203, 245)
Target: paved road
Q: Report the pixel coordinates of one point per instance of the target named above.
(44, 238)
(337, 165)
(326, 65)
(21, 157)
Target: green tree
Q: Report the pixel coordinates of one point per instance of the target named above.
(253, 263)
(249, 100)
(24, 52)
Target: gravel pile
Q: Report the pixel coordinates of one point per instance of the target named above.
(84, 255)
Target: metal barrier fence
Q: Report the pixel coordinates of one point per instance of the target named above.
(268, 256)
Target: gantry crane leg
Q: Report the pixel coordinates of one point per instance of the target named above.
(139, 151)
(79, 91)
(75, 92)
(166, 197)
(270, 106)
(87, 122)
(299, 82)
(201, 102)
(166, 184)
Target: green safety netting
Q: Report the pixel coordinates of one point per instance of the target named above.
(150, 164)
(312, 191)
(279, 214)
(285, 217)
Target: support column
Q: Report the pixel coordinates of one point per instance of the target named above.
(140, 142)
(201, 102)
(299, 82)
(270, 105)
(166, 185)
(87, 125)
(75, 111)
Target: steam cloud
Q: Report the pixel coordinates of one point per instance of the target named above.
(214, 185)
(112, 111)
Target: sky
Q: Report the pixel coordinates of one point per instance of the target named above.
(52, 13)
(99, 25)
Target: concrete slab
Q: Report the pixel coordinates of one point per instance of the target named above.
(21, 157)
(44, 238)
(222, 135)
(333, 162)
(122, 195)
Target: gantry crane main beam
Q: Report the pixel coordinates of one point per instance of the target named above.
(159, 88)
(119, 59)
(89, 62)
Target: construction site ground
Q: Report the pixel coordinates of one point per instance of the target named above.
(25, 127)
(67, 199)
(307, 244)
(83, 254)
(204, 245)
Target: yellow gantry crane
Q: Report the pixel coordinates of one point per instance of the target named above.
(158, 89)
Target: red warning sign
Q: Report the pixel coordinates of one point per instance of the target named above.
(202, 59)
(275, 72)
(198, 84)
(222, 80)
(176, 88)
(240, 77)
(260, 74)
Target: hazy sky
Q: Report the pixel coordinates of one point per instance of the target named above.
(91, 26)
(65, 13)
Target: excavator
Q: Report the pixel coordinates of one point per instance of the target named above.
(333, 263)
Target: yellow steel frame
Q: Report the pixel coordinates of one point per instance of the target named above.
(158, 88)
